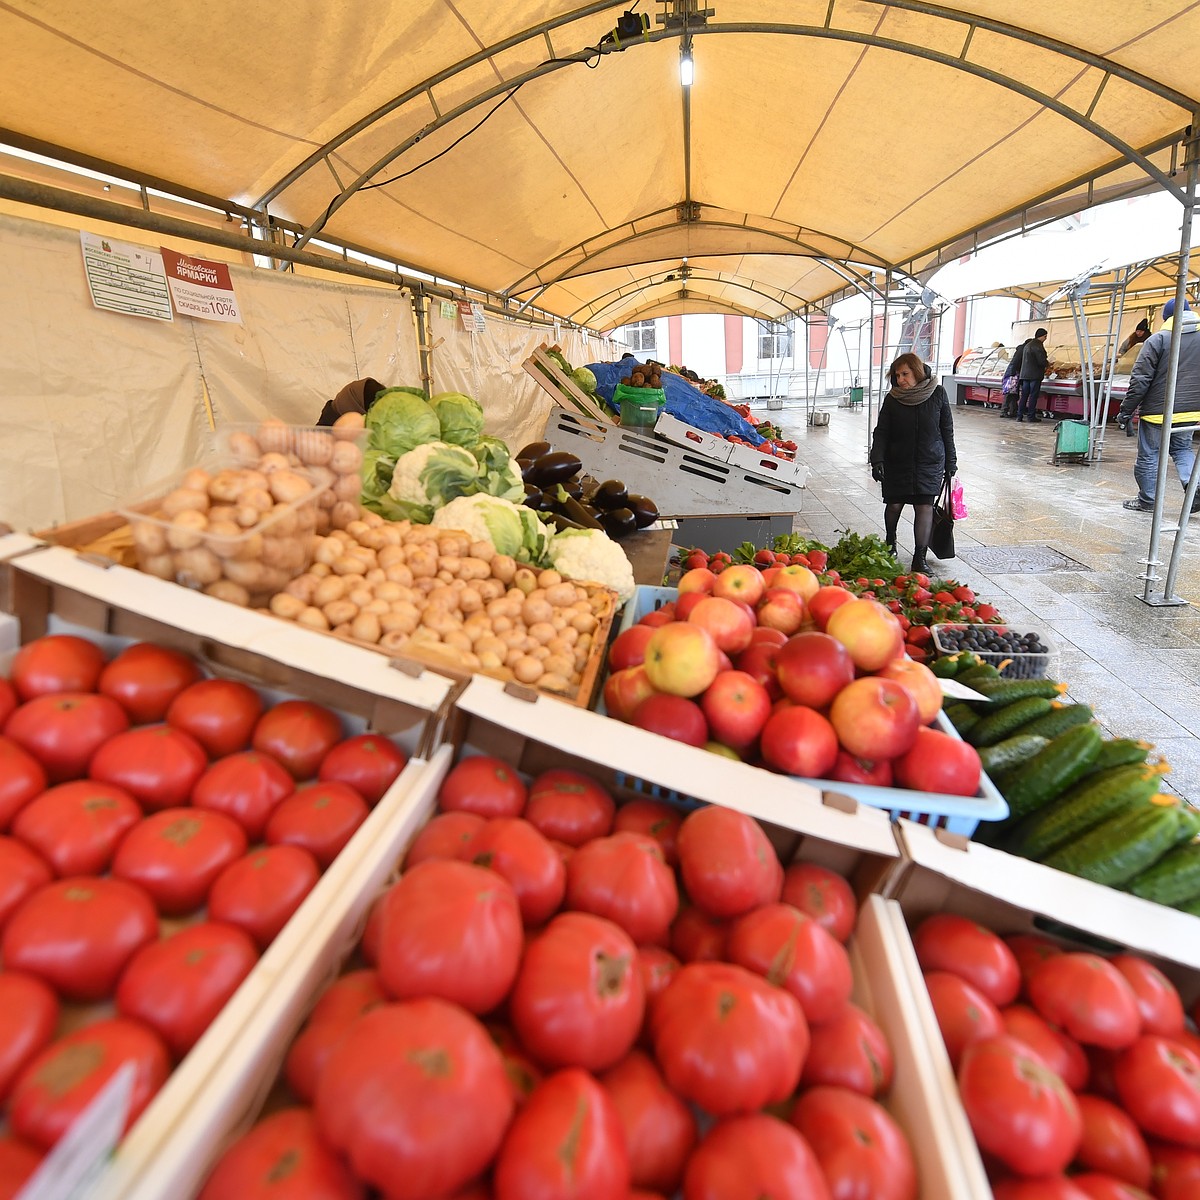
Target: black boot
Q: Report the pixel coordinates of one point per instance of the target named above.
(918, 562)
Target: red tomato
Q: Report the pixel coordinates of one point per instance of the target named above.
(65, 1078)
(1158, 1002)
(1159, 1084)
(299, 734)
(416, 1098)
(281, 1158)
(1176, 1172)
(59, 662)
(28, 1018)
(157, 765)
(368, 763)
(485, 786)
(21, 779)
(448, 835)
(625, 878)
(76, 827)
(320, 818)
(578, 1000)
(946, 942)
(824, 895)
(729, 1040)
(515, 850)
(1020, 1111)
(8, 700)
(176, 854)
(247, 787)
(1088, 997)
(861, 1149)
(1107, 1187)
(567, 1140)
(63, 730)
(451, 930)
(696, 937)
(964, 1014)
(1057, 1187)
(792, 951)
(22, 872)
(850, 1051)
(1062, 1054)
(939, 762)
(1112, 1142)
(340, 1006)
(219, 713)
(727, 863)
(78, 934)
(750, 1157)
(259, 893)
(1030, 951)
(569, 807)
(654, 818)
(179, 985)
(658, 968)
(17, 1163)
(144, 678)
(660, 1131)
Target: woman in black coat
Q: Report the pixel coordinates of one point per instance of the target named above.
(912, 450)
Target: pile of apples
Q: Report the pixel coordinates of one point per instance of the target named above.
(774, 669)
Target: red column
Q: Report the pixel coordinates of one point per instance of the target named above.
(960, 329)
(818, 338)
(675, 342)
(877, 335)
(733, 345)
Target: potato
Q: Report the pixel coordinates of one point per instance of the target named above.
(560, 664)
(274, 436)
(301, 588)
(349, 488)
(537, 612)
(313, 618)
(484, 551)
(348, 426)
(560, 595)
(343, 512)
(366, 627)
(549, 579)
(227, 486)
(527, 669)
(287, 486)
(362, 595)
(339, 612)
(197, 567)
(331, 588)
(346, 459)
(187, 530)
(148, 537)
(230, 592)
(197, 479)
(184, 499)
(320, 570)
(524, 578)
(375, 521)
(161, 565)
(244, 448)
(222, 538)
(504, 568)
(251, 575)
(394, 640)
(313, 447)
(274, 461)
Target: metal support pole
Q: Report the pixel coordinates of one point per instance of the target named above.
(1168, 598)
(423, 347)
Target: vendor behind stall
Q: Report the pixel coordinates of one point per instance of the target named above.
(354, 397)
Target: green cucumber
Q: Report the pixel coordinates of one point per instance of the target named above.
(1189, 906)
(995, 727)
(1120, 848)
(1121, 752)
(1011, 753)
(1094, 799)
(1189, 823)
(1174, 879)
(980, 674)
(1002, 692)
(961, 716)
(1059, 719)
(1052, 770)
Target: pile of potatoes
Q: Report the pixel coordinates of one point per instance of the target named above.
(429, 592)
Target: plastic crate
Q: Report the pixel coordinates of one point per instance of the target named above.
(1018, 666)
(955, 814)
(639, 406)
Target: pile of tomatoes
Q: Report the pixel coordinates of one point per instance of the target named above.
(1078, 1073)
(565, 998)
(157, 830)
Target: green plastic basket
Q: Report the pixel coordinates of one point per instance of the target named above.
(639, 406)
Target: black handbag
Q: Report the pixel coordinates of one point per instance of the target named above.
(941, 537)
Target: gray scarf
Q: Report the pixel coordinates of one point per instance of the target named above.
(915, 395)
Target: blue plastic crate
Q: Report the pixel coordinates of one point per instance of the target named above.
(955, 814)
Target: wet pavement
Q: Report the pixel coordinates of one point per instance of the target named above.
(1137, 665)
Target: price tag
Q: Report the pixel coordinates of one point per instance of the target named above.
(471, 315)
(124, 278)
(448, 310)
(959, 691)
(200, 288)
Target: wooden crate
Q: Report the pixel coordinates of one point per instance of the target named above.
(560, 387)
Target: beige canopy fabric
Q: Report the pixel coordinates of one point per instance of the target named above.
(510, 145)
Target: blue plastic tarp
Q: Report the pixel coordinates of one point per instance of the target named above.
(685, 401)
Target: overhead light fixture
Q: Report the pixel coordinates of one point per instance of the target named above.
(687, 65)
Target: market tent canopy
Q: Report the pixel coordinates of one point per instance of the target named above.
(523, 149)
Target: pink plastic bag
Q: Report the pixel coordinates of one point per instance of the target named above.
(957, 503)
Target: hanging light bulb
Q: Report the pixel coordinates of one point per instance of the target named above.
(687, 66)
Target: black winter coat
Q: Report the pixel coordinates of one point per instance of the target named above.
(914, 443)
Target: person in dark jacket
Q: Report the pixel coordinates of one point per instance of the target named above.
(354, 397)
(1034, 362)
(912, 450)
(1011, 391)
(1148, 391)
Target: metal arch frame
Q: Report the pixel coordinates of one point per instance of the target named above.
(655, 309)
(959, 62)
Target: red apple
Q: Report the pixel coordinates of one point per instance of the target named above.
(724, 662)
(875, 718)
(681, 658)
(770, 575)
(673, 717)
(848, 769)
(687, 602)
(699, 579)
(625, 690)
(937, 762)
(737, 707)
(660, 616)
(824, 600)
(799, 741)
(921, 682)
(629, 647)
(742, 582)
(871, 633)
(730, 624)
(767, 635)
(798, 579)
(758, 661)
(782, 609)
(813, 668)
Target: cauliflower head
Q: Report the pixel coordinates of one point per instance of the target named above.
(590, 555)
(512, 529)
(432, 475)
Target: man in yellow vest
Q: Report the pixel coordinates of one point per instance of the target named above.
(1148, 390)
